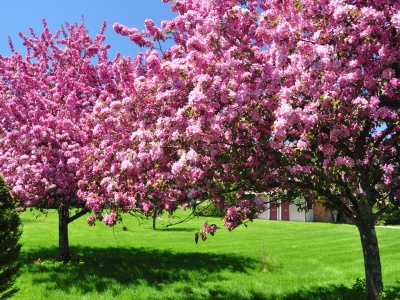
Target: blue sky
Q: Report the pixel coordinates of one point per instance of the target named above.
(16, 16)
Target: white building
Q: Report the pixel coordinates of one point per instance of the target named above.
(286, 210)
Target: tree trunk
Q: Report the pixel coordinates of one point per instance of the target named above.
(154, 217)
(63, 244)
(372, 261)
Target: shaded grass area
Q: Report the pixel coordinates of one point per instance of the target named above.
(267, 260)
(107, 269)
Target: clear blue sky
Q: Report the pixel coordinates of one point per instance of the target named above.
(16, 16)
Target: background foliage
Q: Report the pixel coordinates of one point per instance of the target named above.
(10, 232)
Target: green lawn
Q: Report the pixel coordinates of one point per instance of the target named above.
(266, 260)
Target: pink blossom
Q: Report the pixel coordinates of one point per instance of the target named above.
(110, 219)
(209, 228)
(177, 167)
(170, 205)
(152, 29)
(191, 156)
(260, 205)
(388, 169)
(231, 212)
(126, 165)
(146, 206)
(91, 220)
(301, 144)
(344, 160)
(396, 20)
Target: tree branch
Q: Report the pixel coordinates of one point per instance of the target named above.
(83, 212)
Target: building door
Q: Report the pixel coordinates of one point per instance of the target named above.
(285, 211)
(273, 209)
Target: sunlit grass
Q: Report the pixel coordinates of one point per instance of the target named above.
(266, 260)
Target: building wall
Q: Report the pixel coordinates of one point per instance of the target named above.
(321, 214)
(294, 214)
(300, 216)
(318, 213)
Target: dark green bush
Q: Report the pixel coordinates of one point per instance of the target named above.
(392, 218)
(10, 233)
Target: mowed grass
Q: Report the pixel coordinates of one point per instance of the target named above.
(266, 260)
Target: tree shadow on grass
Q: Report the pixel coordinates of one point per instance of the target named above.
(341, 292)
(106, 269)
(100, 269)
(331, 292)
(178, 229)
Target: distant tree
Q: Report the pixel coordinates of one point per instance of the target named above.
(10, 233)
(44, 98)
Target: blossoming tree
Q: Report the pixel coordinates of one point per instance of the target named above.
(254, 96)
(44, 99)
(259, 95)
(150, 153)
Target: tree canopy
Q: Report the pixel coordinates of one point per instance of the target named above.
(45, 98)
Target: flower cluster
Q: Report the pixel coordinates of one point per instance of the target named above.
(209, 228)
(110, 219)
(235, 216)
(91, 220)
(204, 230)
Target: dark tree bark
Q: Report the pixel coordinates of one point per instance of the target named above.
(154, 218)
(63, 243)
(372, 261)
(64, 219)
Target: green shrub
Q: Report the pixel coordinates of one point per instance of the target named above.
(10, 233)
(358, 289)
(392, 218)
